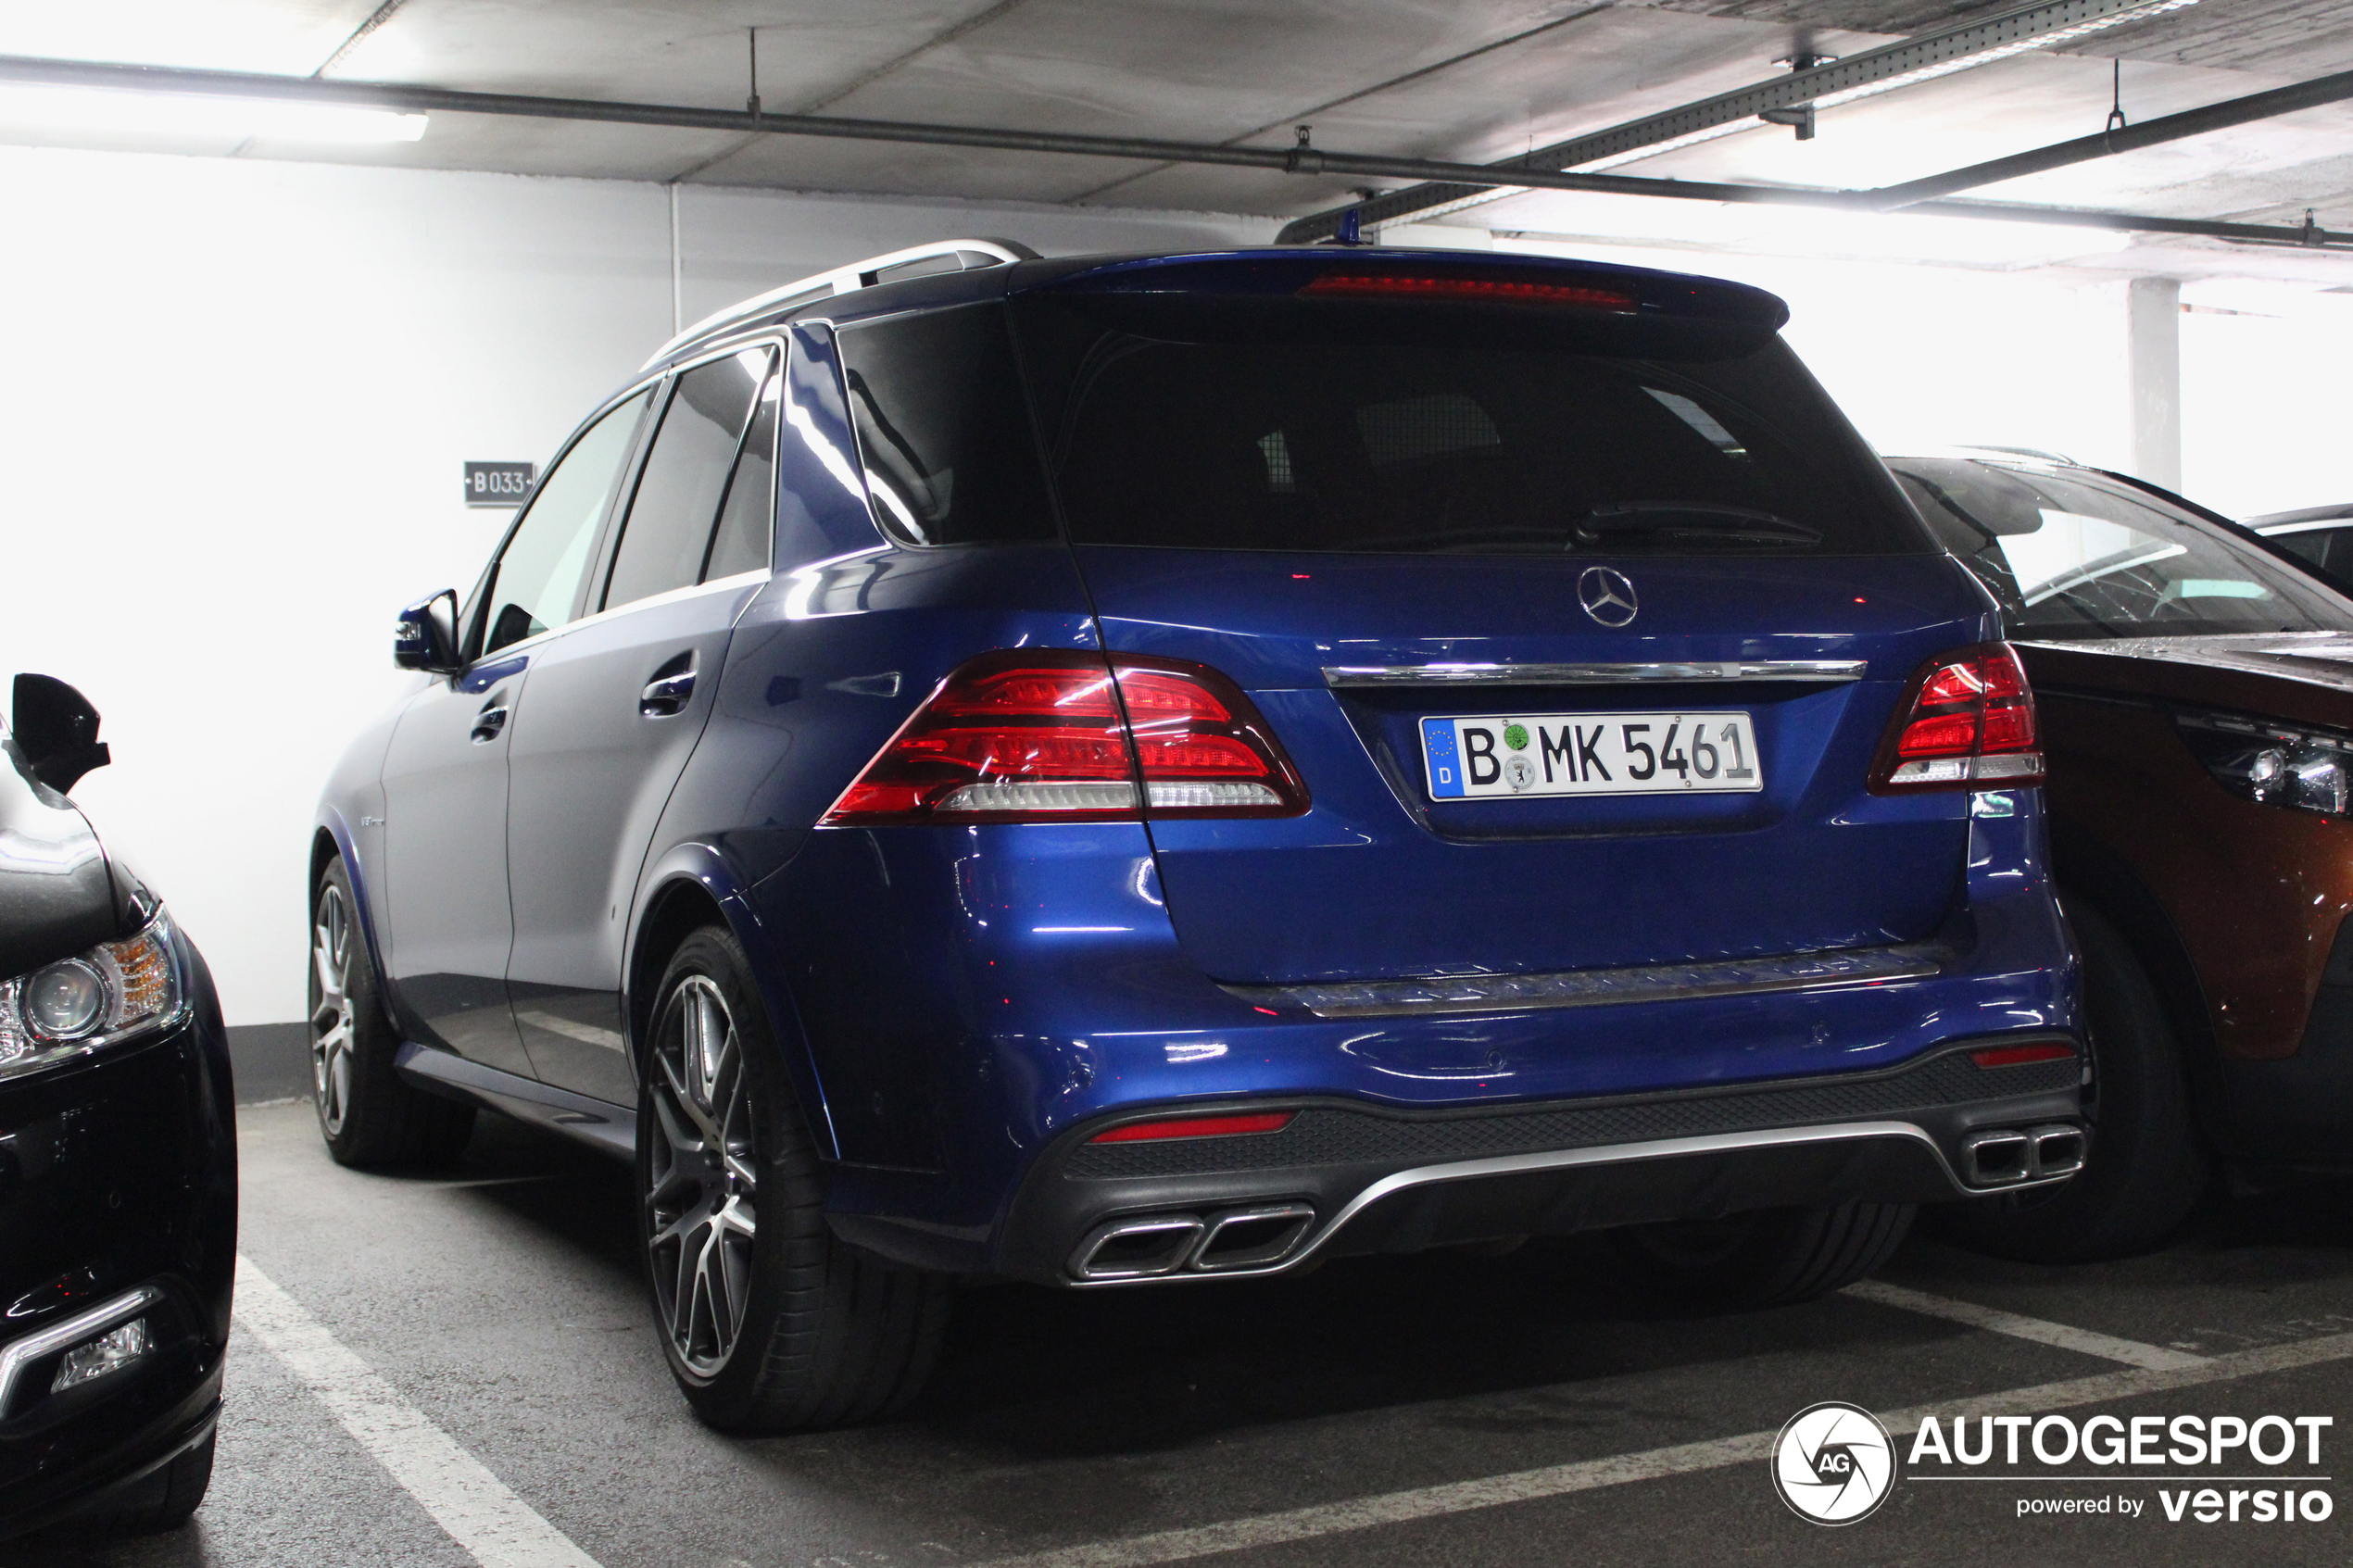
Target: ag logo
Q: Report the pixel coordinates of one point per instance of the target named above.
(1607, 596)
(1834, 1464)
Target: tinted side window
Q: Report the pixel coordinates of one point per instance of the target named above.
(668, 531)
(941, 428)
(747, 518)
(2330, 549)
(537, 578)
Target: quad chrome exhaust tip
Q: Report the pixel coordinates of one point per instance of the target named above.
(1228, 1240)
(2004, 1157)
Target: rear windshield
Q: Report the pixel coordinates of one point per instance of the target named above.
(1411, 432)
(2071, 557)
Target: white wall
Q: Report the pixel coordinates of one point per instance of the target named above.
(236, 402)
(2266, 418)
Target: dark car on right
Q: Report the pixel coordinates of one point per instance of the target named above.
(2196, 683)
(2322, 535)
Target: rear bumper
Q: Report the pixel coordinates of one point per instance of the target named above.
(1346, 1178)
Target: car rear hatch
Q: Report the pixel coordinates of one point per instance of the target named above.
(1461, 531)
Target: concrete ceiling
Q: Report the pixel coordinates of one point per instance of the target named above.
(1472, 79)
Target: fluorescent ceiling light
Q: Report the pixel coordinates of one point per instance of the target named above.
(187, 113)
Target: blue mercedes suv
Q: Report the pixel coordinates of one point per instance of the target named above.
(1123, 770)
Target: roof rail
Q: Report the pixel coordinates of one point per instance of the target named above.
(968, 256)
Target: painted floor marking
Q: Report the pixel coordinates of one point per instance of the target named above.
(2084, 1341)
(498, 1528)
(1461, 1496)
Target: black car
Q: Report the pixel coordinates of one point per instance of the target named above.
(117, 1161)
(2322, 535)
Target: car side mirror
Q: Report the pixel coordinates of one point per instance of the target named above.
(426, 635)
(57, 731)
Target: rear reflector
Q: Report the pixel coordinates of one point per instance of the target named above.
(1049, 736)
(1474, 291)
(2018, 1055)
(1198, 1127)
(1966, 722)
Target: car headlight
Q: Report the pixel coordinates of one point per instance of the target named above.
(87, 1002)
(2278, 764)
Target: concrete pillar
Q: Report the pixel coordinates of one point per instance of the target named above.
(2153, 332)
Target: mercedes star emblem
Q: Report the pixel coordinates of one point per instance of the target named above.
(1607, 596)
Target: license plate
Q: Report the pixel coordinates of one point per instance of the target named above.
(1492, 755)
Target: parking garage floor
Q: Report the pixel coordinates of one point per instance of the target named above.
(459, 1368)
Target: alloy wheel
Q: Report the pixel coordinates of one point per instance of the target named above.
(331, 1013)
(701, 1186)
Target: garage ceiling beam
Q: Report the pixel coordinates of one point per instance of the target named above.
(1298, 161)
(1901, 64)
(2148, 134)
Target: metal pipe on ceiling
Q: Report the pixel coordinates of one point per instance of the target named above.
(2148, 134)
(1297, 159)
(1901, 64)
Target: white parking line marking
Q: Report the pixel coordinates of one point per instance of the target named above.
(498, 1528)
(2084, 1341)
(1461, 1497)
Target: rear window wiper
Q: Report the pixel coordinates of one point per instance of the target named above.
(1692, 521)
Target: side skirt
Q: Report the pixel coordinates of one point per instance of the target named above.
(607, 1128)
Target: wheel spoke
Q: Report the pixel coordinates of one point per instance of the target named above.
(683, 1140)
(330, 973)
(684, 1103)
(679, 1229)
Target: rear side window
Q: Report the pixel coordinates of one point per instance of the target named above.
(2330, 549)
(536, 581)
(748, 518)
(1276, 439)
(669, 528)
(947, 450)
(2070, 557)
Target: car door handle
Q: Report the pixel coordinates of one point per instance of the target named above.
(667, 696)
(488, 724)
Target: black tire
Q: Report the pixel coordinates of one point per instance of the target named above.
(1768, 1258)
(2146, 1167)
(769, 1322)
(366, 1114)
(165, 1501)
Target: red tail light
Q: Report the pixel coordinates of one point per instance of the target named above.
(1472, 291)
(1198, 1127)
(1968, 723)
(2018, 1055)
(1026, 735)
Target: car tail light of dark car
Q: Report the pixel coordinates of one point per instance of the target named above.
(1051, 737)
(1967, 721)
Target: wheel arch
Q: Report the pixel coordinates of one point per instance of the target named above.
(2086, 868)
(689, 887)
(333, 840)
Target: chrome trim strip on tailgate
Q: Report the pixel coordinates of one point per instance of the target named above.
(1602, 987)
(1467, 674)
